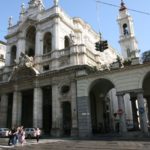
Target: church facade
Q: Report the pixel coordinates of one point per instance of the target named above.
(2, 53)
(54, 78)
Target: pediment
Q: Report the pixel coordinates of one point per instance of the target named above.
(24, 69)
(27, 22)
(22, 73)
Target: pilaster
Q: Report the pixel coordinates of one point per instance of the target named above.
(74, 130)
(38, 51)
(56, 112)
(55, 33)
(84, 117)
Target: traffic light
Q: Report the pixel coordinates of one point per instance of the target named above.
(101, 45)
(97, 46)
(104, 45)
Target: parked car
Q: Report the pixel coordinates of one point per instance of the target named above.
(4, 132)
(30, 132)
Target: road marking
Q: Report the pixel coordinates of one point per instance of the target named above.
(2, 146)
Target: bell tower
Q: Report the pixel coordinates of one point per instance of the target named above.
(128, 42)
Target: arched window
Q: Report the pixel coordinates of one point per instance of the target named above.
(13, 55)
(128, 53)
(125, 29)
(66, 42)
(30, 41)
(47, 45)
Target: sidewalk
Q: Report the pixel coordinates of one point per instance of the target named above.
(78, 144)
(4, 142)
(45, 140)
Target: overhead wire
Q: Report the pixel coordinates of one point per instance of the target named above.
(113, 5)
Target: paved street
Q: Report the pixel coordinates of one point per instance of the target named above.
(66, 144)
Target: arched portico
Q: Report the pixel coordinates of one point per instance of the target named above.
(146, 94)
(100, 105)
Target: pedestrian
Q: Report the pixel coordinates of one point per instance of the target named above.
(21, 135)
(12, 137)
(10, 141)
(116, 122)
(38, 132)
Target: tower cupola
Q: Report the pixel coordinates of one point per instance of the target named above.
(128, 42)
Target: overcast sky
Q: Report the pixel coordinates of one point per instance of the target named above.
(86, 9)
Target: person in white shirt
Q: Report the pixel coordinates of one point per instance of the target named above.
(38, 132)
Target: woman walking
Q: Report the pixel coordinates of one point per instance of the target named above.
(21, 136)
(38, 132)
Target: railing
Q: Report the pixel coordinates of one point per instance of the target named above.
(46, 56)
(56, 54)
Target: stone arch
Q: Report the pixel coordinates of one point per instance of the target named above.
(100, 105)
(30, 41)
(47, 42)
(143, 75)
(101, 79)
(66, 42)
(146, 94)
(13, 54)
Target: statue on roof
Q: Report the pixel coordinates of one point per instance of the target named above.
(56, 2)
(34, 3)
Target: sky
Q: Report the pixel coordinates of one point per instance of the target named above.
(92, 13)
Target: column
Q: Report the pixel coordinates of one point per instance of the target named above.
(38, 108)
(20, 47)
(56, 112)
(121, 106)
(74, 130)
(7, 59)
(134, 114)
(38, 43)
(148, 107)
(56, 37)
(55, 43)
(142, 113)
(3, 110)
(17, 109)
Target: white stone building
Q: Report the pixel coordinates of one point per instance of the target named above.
(56, 80)
(2, 53)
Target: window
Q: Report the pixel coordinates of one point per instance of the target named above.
(1, 56)
(125, 29)
(128, 52)
(13, 55)
(46, 67)
(30, 41)
(47, 45)
(66, 42)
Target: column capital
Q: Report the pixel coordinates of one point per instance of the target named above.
(36, 84)
(120, 94)
(16, 88)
